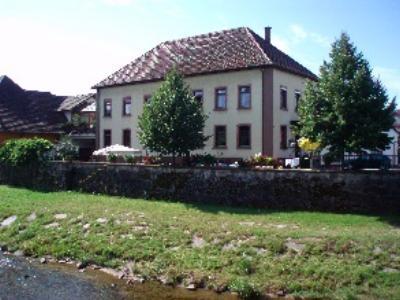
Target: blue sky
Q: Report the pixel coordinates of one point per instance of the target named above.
(68, 46)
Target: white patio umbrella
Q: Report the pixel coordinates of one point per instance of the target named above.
(117, 150)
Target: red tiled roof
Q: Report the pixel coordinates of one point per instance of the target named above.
(227, 50)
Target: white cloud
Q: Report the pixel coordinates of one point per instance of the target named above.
(281, 43)
(390, 79)
(118, 2)
(299, 34)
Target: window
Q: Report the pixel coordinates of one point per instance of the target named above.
(220, 98)
(283, 98)
(107, 107)
(126, 137)
(297, 96)
(244, 97)
(198, 95)
(126, 106)
(107, 137)
(146, 98)
(220, 136)
(283, 137)
(244, 136)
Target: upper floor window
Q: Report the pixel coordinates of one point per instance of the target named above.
(198, 95)
(283, 137)
(220, 99)
(126, 106)
(297, 96)
(146, 98)
(244, 136)
(220, 136)
(283, 98)
(107, 107)
(107, 137)
(244, 97)
(126, 137)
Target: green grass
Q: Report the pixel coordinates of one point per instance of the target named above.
(245, 249)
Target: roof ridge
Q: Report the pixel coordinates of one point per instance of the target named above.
(251, 33)
(203, 35)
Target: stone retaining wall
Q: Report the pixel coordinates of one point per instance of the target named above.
(369, 192)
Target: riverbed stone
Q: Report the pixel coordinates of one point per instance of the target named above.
(32, 217)
(52, 225)
(295, 246)
(101, 220)
(8, 221)
(60, 216)
(198, 242)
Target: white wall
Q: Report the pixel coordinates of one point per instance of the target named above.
(231, 117)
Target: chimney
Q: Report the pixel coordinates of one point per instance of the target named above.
(268, 35)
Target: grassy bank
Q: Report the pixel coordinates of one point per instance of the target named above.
(300, 253)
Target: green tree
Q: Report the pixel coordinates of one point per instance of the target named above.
(172, 122)
(347, 110)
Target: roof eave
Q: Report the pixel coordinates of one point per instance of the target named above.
(98, 86)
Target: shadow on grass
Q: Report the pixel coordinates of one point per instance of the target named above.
(391, 218)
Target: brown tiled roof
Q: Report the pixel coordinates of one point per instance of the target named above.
(77, 102)
(227, 50)
(28, 111)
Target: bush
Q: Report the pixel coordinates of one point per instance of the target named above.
(244, 288)
(25, 152)
(261, 160)
(204, 159)
(112, 158)
(65, 150)
(130, 159)
(151, 160)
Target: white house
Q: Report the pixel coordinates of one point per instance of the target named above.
(248, 87)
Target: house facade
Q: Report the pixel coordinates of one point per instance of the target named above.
(29, 114)
(249, 90)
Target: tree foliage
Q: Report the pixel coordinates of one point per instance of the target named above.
(172, 122)
(25, 152)
(347, 110)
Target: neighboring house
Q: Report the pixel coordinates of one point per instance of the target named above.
(80, 112)
(28, 114)
(248, 87)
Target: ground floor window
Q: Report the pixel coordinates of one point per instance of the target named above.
(107, 137)
(283, 137)
(126, 137)
(220, 136)
(244, 136)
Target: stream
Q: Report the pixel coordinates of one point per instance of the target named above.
(21, 278)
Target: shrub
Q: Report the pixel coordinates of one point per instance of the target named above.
(204, 159)
(25, 152)
(65, 150)
(244, 288)
(261, 160)
(112, 157)
(151, 160)
(130, 159)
